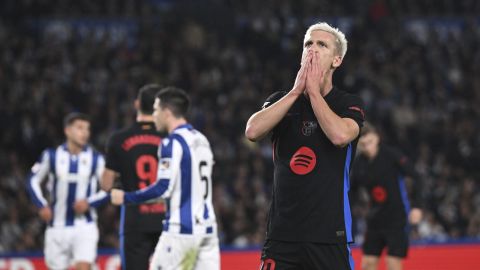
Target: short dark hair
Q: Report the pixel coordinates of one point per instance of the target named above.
(74, 116)
(146, 97)
(175, 99)
(368, 128)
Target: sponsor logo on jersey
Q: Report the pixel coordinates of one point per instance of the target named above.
(303, 161)
(379, 194)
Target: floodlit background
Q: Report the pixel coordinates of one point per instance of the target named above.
(416, 64)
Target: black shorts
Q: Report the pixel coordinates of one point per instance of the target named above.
(396, 242)
(280, 255)
(136, 249)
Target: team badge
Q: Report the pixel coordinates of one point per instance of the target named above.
(309, 127)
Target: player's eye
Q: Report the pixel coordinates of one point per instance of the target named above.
(308, 44)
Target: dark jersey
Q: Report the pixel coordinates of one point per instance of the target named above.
(311, 175)
(383, 177)
(132, 153)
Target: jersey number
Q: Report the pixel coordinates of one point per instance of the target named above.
(203, 178)
(146, 168)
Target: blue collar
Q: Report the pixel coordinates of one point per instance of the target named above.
(187, 126)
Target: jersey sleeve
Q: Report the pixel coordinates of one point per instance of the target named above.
(169, 158)
(273, 98)
(406, 168)
(99, 196)
(38, 173)
(353, 108)
(112, 155)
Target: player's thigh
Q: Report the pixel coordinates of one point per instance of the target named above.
(57, 249)
(397, 243)
(85, 243)
(137, 247)
(374, 243)
(280, 255)
(174, 252)
(209, 254)
(321, 256)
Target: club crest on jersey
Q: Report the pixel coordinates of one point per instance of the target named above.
(309, 127)
(303, 161)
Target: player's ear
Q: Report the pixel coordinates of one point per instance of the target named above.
(337, 61)
(136, 104)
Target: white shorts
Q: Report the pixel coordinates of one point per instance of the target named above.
(69, 245)
(187, 252)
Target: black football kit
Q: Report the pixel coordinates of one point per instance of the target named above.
(310, 209)
(132, 153)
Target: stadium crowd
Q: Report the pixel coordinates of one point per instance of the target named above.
(417, 80)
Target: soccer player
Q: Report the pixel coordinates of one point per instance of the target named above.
(381, 169)
(189, 239)
(73, 170)
(132, 154)
(314, 130)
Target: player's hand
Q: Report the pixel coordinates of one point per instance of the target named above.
(315, 76)
(80, 206)
(45, 214)
(415, 216)
(300, 80)
(117, 196)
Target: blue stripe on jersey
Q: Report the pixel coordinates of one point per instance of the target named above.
(167, 216)
(350, 258)
(404, 194)
(122, 219)
(32, 194)
(122, 240)
(73, 168)
(89, 188)
(72, 191)
(53, 170)
(346, 187)
(205, 211)
(186, 226)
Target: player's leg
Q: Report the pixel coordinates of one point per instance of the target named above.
(136, 249)
(85, 246)
(322, 256)
(279, 255)
(397, 243)
(370, 262)
(394, 263)
(372, 249)
(56, 249)
(174, 252)
(209, 254)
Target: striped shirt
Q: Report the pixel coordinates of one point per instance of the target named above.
(70, 178)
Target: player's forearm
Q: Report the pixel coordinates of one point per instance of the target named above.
(146, 194)
(262, 122)
(339, 131)
(98, 199)
(35, 191)
(108, 177)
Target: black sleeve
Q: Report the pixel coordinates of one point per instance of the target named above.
(273, 98)
(406, 168)
(112, 157)
(353, 108)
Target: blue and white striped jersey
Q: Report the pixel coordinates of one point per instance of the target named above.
(70, 178)
(185, 181)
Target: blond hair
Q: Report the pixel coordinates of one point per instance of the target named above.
(340, 40)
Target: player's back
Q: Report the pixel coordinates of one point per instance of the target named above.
(132, 152)
(190, 195)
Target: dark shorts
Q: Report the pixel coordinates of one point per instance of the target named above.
(279, 255)
(396, 242)
(136, 249)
